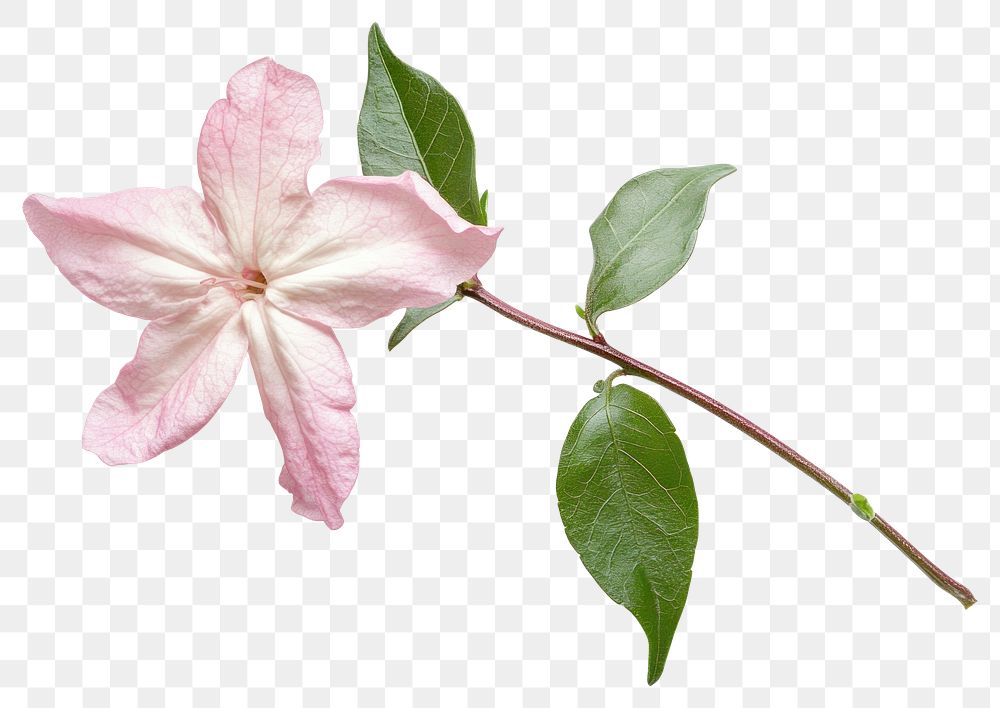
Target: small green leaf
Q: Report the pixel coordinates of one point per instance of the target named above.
(580, 312)
(862, 507)
(409, 121)
(484, 201)
(629, 507)
(414, 317)
(646, 234)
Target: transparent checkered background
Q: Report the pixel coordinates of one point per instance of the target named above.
(840, 294)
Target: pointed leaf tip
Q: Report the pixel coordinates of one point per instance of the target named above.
(415, 316)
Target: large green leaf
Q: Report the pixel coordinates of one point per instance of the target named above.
(409, 121)
(628, 503)
(646, 234)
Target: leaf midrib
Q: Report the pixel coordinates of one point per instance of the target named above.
(399, 101)
(620, 450)
(621, 482)
(654, 659)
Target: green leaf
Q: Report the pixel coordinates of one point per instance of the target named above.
(410, 122)
(862, 507)
(414, 317)
(646, 234)
(628, 503)
(483, 203)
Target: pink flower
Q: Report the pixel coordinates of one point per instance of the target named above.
(258, 264)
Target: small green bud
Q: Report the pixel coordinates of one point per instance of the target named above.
(861, 507)
(484, 202)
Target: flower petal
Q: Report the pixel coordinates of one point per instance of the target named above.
(141, 252)
(184, 368)
(256, 147)
(305, 385)
(365, 246)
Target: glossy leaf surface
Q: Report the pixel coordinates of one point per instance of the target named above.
(410, 122)
(629, 507)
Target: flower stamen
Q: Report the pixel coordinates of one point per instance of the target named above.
(248, 285)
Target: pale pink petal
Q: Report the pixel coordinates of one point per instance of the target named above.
(184, 368)
(365, 246)
(305, 385)
(255, 149)
(141, 252)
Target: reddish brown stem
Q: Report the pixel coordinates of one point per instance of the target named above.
(635, 367)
